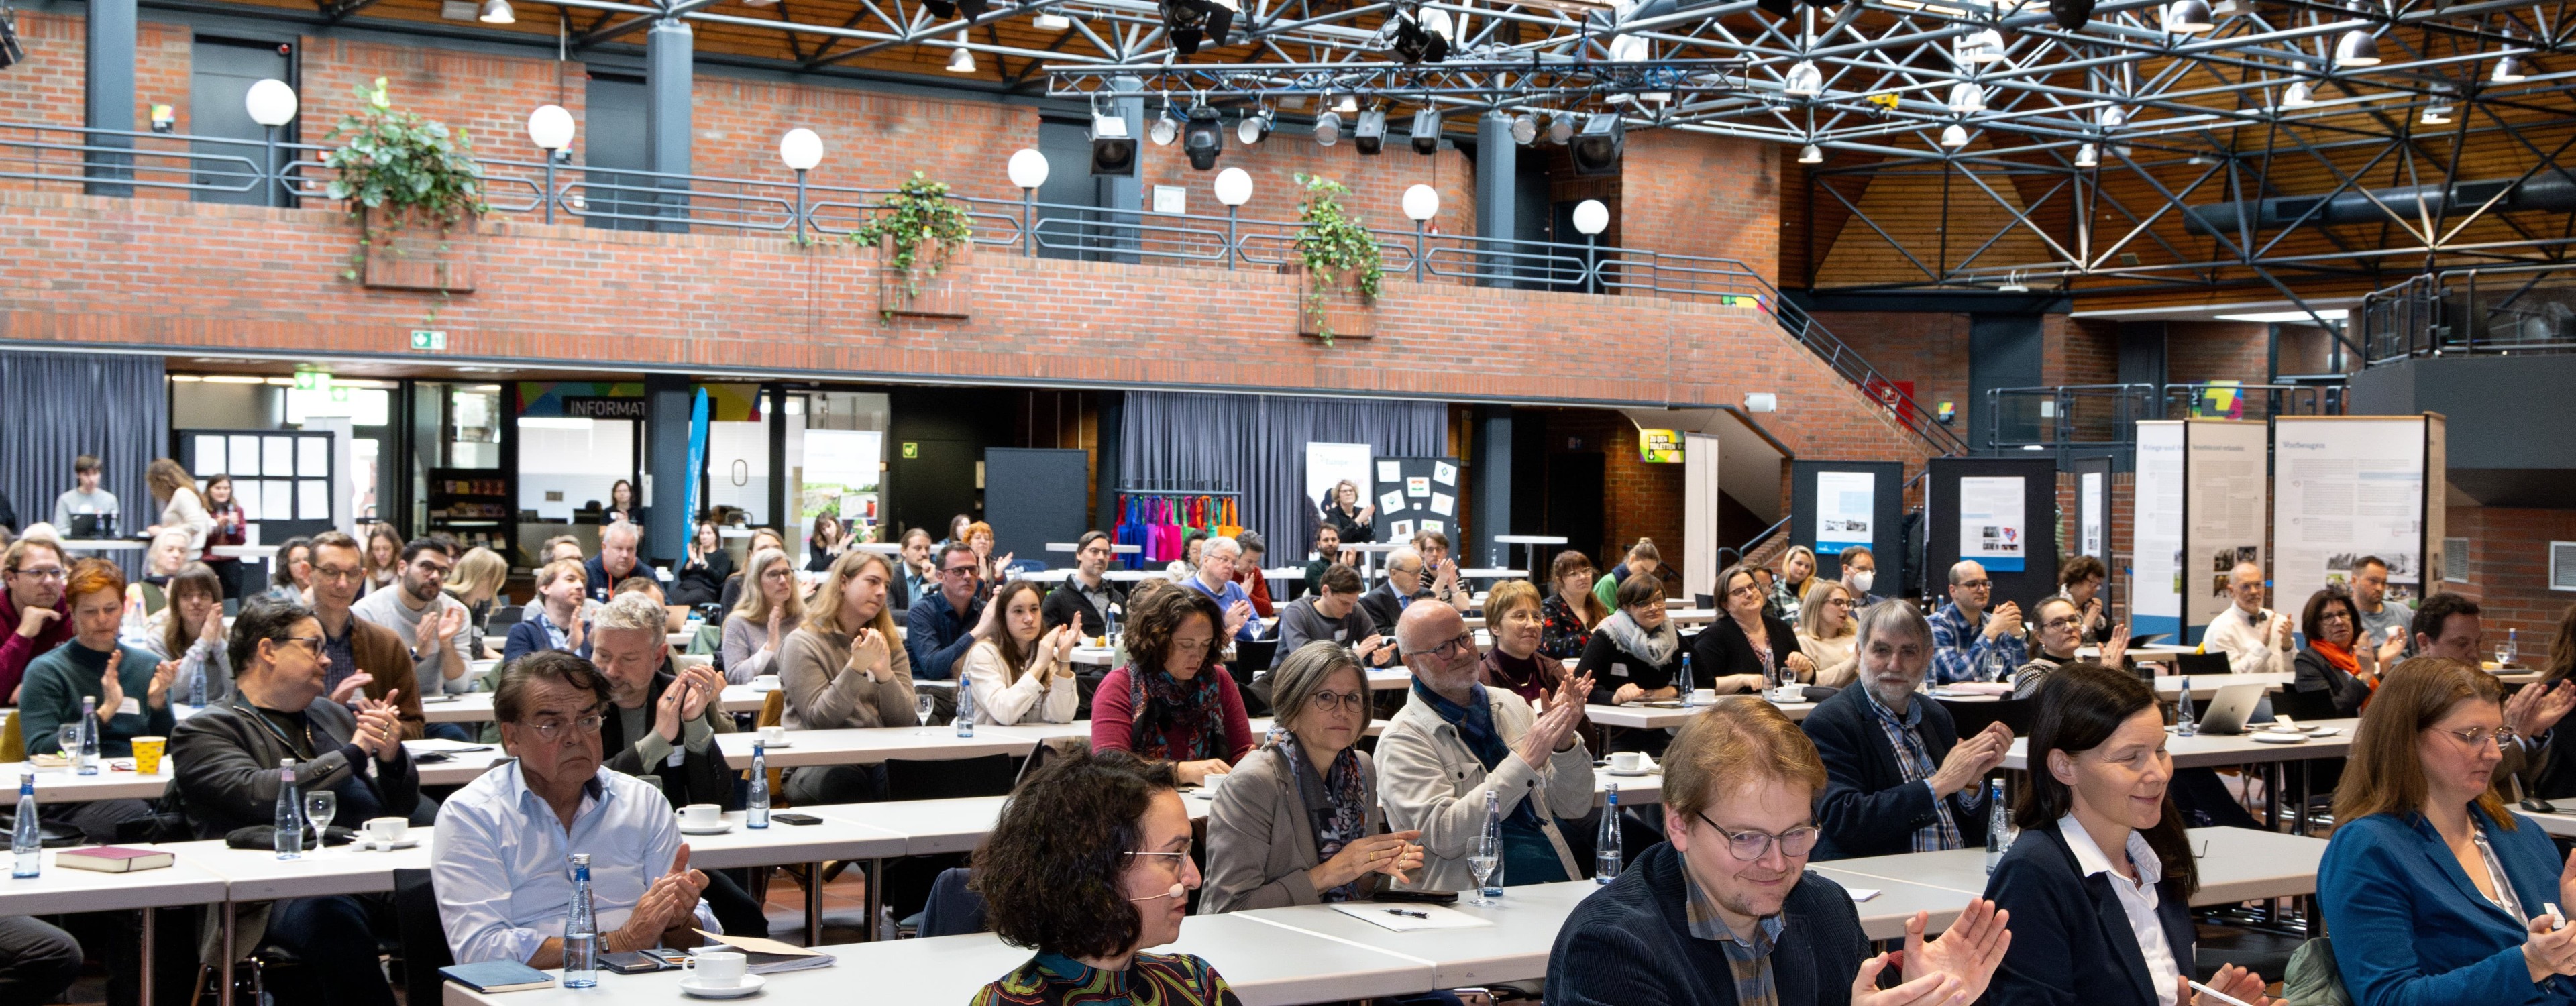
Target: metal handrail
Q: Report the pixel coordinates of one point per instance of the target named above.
(2443, 314)
(2128, 403)
(1749, 544)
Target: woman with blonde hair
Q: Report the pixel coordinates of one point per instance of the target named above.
(771, 607)
(476, 583)
(1023, 673)
(1797, 575)
(844, 668)
(182, 508)
(1642, 560)
(1515, 664)
(1827, 632)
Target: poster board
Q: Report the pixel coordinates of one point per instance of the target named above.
(283, 479)
(1415, 494)
(842, 473)
(2351, 486)
(1826, 500)
(2156, 566)
(2093, 508)
(2000, 512)
(2226, 514)
(1327, 466)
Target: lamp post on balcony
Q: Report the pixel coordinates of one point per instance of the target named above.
(1233, 188)
(1028, 170)
(801, 150)
(1591, 218)
(550, 128)
(1421, 203)
(271, 103)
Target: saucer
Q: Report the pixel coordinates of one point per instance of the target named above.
(1640, 771)
(717, 828)
(777, 745)
(2267, 737)
(750, 985)
(406, 842)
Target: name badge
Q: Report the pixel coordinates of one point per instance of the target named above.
(1618, 670)
(131, 707)
(1341, 634)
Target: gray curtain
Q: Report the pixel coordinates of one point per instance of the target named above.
(59, 406)
(1256, 445)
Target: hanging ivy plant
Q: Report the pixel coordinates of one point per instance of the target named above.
(917, 213)
(1334, 246)
(394, 168)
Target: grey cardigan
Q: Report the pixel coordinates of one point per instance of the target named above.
(1261, 841)
(1429, 780)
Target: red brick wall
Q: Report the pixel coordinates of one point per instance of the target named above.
(2217, 351)
(1638, 500)
(2509, 571)
(2080, 351)
(1929, 348)
(47, 89)
(485, 95)
(1693, 194)
(2124, 498)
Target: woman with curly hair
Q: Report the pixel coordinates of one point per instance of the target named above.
(1173, 700)
(1089, 866)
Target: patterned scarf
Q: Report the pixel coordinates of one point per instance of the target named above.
(1475, 723)
(1655, 647)
(1336, 805)
(1176, 720)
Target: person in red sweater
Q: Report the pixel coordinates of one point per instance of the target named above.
(32, 608)
(1174, 700)
(1247, 571)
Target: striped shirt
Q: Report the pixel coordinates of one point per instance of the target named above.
(1906, 737)
(1749, 957)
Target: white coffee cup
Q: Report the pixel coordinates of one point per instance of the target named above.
(1214, 781)
(718, 969)
(702, 815)
(765, 682)
(1626, 761)
(1703, 696)
(387, 829)
(773, 735)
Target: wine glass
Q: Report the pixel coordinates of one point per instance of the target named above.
(320, 806)
(1481, 860)
(922, 705)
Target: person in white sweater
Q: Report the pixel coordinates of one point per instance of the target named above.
(181, 507)
(771, 607)
(1022, 674)
(2255, 639)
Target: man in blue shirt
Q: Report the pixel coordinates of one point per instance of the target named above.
(1216, 579)
(941, 628)
(1965, 635)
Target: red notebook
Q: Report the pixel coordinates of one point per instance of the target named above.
(113, 859)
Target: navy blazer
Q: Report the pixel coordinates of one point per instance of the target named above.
(1868, 808)
(1630, 943)
(2411, 929)
(2071, 941)
(528, 635)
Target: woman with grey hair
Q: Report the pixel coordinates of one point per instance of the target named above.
(1297, 821)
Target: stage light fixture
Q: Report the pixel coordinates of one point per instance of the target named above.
(945, 9)
(2297, 95)
(1165, 128)
(1811, 154)
(1525, 129)
(2357, 47)
(1804, 80)
(1426, 132)
(1412, 40)
(2508, 70)
(1328, 128)
(1349, 104)
(1255, 127)
(2188, 17)
(2071, 15)
(1192, 23)
(1560, 128)
(961, 59)
(1966, 97)
(1113, 152)
(1369, 135)
(1954, 137)
(1979, 47)
(1596, 149)
(2087, 157)
(1204, 138)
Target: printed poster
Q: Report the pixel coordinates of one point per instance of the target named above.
(2349, 488)
(2091, 508)
(1328, 465)
(1444, 473)
(1417, 486)
(1990, 522)
(1846, 506)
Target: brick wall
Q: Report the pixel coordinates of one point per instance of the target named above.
(1693, 194)
(2217, 351)
(487, 96)
(2124, 498)
(1929, 348)
(2509, 571)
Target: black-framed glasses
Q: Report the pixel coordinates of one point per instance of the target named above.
(1466, 642)
(1751, 845)
(1324, 701)
(958, 571)
(1974, 584)
(553, 731)
(311, 644)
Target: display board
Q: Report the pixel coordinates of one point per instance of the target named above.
(1999, 512)
(2155, 537)
(1834, 505)
(841, 475)
(1417, 494)
(283, 479)
(2093, 508)
(2354, 486)
(1328, 465)
(1700, 495)
(2227, 510)
(1033, 496)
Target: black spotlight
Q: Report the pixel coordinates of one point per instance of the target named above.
(1113, 152)
(1426, 132)
(1370, 135)
(1415, 43)
(1196, 22)
(1203, 138)
(2071, 14)
(1596, 147)
(949, 8)
(1782, 9)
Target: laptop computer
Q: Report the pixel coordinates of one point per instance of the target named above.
(2231, 709)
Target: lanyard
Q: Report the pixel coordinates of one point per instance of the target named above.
(306, 752)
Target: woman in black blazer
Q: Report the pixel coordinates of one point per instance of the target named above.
(2101, 852)
(1636, 653)
(1727, 656)
(2335, 661)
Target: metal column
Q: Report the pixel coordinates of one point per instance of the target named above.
(668, 69)
(667, 400)
(1497, 188)
(1492, 472)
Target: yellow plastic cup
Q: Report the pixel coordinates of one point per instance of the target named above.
(147, 754)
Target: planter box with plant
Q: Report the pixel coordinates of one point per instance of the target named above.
(1338, 265)
(397, 170)
(925, 246)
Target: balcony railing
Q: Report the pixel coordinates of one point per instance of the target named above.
(224, 169)
(2093, 419)
(2472, 312)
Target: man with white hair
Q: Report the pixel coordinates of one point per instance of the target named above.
(1216, 579)
(2256, 639)
(1387, 602)
(1898, 778)
(615, 561)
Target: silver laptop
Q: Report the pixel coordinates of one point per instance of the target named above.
(2230, 708)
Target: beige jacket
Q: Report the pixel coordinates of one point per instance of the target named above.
(1835, 666)
(825, 693)
(1261, 841)
(1429, 780)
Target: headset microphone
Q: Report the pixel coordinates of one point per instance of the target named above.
(1177, 891)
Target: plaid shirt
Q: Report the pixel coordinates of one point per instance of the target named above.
(1959, 650)
(1906, 737)
(1749, 957)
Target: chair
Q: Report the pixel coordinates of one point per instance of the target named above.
(1971, 717)
(2304, 706)
(953, 908)
(2204, 664)
(424, 941)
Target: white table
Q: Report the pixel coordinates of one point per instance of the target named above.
(244, 551)
(1640, 717)
(2241, 864)
(103, 545)
(61, 890)
(59, 785)
(1883, 916)
(869, 745)
(1514, 948)
(1634, 790)
(476, 707)
(2204, 750)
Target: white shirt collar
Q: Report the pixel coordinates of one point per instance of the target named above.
(2090, 859)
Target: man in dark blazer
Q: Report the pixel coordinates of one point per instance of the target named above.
(1898, 779)
(1385, 603)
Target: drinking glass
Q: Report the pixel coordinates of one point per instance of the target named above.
(67, 739)
(320, 806)
(922, 706)
(1481, 861)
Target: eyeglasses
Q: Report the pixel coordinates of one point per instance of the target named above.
(551, 732)
(2062, 622)
(336, 573)
(1179, 860)
(1974, 584)
(1751, 845)
(311, 644)
(2332, 616)
(1327, 701)
(1748, 590)
(958, 571)
(1466, 642)
(1843, 602)
(55, 573)
(2479, 736)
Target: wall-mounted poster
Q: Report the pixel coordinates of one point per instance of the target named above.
(2155, 589)
(1846, 510)
(2228, 511)
(1328, 465)
(1990, 522)
(2092, 508)
(1659, 447)
(2354, 486)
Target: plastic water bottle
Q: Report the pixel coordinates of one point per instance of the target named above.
(85, 761)
(2185, 725)
(1998, 824)
(1605, 847)
(27, 841)
(2512, 647)
(197, 687)
(290, 813)
(1683, 683)
(965, 710)
(581, 930)
(755, 812)
(1494, 828)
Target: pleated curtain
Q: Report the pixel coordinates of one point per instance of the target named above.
(59, 406)
(1256, 445)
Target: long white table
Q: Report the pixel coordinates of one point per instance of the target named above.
(1643, 717)
(476, 707)
(2204, 750)
(2241, 864)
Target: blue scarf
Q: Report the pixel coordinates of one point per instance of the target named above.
(1475, 723)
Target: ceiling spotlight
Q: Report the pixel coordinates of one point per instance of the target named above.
(1165, 128)
(1048, 20)
(2086, 157)
(1525, 129)
(961, 59)
(496, 12)
(1412, 39)
(1804, 80)
(2357, 47)
(1560, 128)
(2188, 17)
(2297, 95)
(1255, 126)
(2438, 113)
(2071, 14)
(1204, 138)
(2223, 9)
(1629, 49)
(1596, 148)
(1811, 154)
(1113, 152)
(1369, 135)
(1193, 22)
(1349, 105)
(2112, 117)
(1328, 128)
(1966, 97)
(1954, 137)
(2508, 70)
(1981, 46)
(944, 9)
(1426, 131)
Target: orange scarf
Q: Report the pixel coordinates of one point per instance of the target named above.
(2342, 658)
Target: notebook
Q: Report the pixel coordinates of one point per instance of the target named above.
(497, 976)
(113, 859)
(767, 956)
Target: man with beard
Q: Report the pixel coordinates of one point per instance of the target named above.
(1897, 777)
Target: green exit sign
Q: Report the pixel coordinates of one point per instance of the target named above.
(911, 450)
(429, 340)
